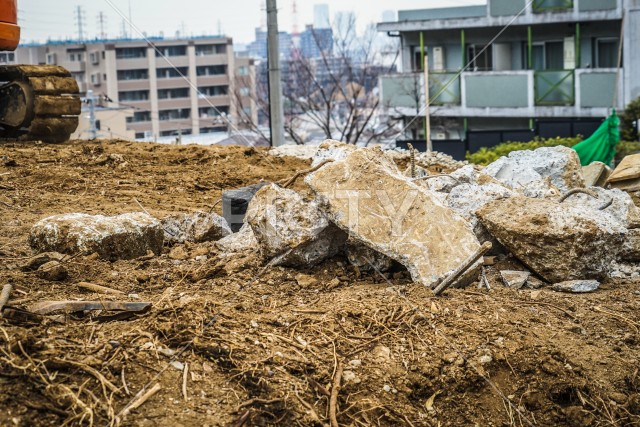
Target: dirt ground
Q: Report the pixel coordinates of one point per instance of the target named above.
(231, 343)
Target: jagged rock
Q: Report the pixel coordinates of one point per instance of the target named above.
(332, 150)
(33, 263)
(241, 241)
(195, 227)
(522, 169)
(287, 226)
(367, 196)
(366, 259)
(626, 176)
(596, 174)
(624, 270)
(631, 248)
(465, 175)
(514, 279)
(52, 271)
(576, 286)
(235, 204)
(125, 236)
(622, 208)
(557, 241)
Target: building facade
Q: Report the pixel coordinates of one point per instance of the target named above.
(514, 68)
(173, 86)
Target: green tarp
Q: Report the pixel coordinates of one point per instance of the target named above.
(601, 146)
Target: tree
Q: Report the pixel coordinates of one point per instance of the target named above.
(631, 121)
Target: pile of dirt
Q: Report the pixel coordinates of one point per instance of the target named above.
(231, 341)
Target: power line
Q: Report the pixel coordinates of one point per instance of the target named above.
(80, 16)
(102, 23)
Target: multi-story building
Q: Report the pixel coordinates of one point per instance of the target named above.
(175, 87)
(316, 42)
(258, 47)
(515, 69)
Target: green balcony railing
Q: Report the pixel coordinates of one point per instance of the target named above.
(555, 87)
(552, 5)
(444, 88)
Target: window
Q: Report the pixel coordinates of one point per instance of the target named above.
(210, 49)
(175, 132)
(76, 57)
(139, 135)
(205, 112)
(211, 70)
(94, 57)
(140, 116)
(243, 71)
(80, 78)
(173, 93)
(479, 60)
(133, 95)
(133, 74)
(181, 113)
(52, 59)
(606, 53)
(219, 128)
(131, 52)
(7, 57)
(214, 90)
(172, 73)
(245, 91)
(171, 51)
(95, 79)
(545, 56)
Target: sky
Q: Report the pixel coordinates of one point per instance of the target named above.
(57, 19)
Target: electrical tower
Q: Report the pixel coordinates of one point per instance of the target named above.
(102, 24)
(80, 16)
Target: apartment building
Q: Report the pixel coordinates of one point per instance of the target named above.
(554, 70)
(174, 86)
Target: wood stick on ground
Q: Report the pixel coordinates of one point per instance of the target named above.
(4, 296)
(464, 266)
(184, 381)
(141, 207)
(138, 401)
(124, 382)
(97, 288)
(293, 179)
(333, 401)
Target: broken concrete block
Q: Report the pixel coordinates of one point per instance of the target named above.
(33, 263)
(124, 236)
(367, 196)
(194, 227)
(235, 203)
(631, 248)
(596, 174)
(53, 271)
(514, 279)
(576, 286)
(365, 258)
(287, 226)
(332, 150)
(557, 241)
(522, 168)
(627, 175)
(243, 240)
(622, 208)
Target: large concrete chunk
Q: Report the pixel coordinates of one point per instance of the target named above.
(196, 227)
(621, 208)
(287, 226)
(124, 236)
(558, 241)
(522, 169)
(627, 175)
(235, 204)
(367, 196)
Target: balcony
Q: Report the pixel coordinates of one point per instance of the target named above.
(522, 93)
(541, 6)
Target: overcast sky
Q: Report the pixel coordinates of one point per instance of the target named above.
(56, 19)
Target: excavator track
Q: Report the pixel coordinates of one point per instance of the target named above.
(38, 102)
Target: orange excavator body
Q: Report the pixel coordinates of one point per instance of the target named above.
(9, 29)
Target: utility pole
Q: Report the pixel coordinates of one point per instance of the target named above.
(276, 112)
(80, 22)
(102, 22)
(427, 113)
(93, 130)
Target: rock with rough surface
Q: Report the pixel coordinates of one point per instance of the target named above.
(287, 226)
(622, 208)
(557, 241)
(243, 240)
(194, 227)
(524, 169)
(52, 271)
(124, 236)
(576, 286)
(514, 279)
(331, 150)
(366, 259)
(596, 174)
(368, 197)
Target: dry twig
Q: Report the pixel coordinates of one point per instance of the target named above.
(335, 390)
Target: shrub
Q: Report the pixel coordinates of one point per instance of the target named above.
(485, 155)
(630, 116)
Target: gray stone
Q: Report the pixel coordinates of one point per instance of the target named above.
(194, 227)
(557, 241)
(631, 248)
(514, 279)
(33, 263)
(243, 240)
(522, 169)
(124, 236)
(287, 226)
(332, 150)
(576, 286)
(596, 174)
(367, 196)
(365, 258)
(622, 208)
(235, 203)
(52, 271)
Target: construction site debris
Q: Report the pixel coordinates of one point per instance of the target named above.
(627, 175)
(630, 251)
(52, 271)
(514, 279)
(366, 195)
(331, 150)
(366, 259)
(48, 307)
(241, 241)
(33, 263)
(528, 170)
(576, 286)
(557, 241)
(288, 227)
(596, 174)
(235, 203)
(194, 227)
(124, 236)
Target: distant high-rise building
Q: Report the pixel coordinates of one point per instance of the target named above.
(321, 16)
(258, 48)
(316, 41)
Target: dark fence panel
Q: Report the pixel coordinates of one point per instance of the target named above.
(479, 139)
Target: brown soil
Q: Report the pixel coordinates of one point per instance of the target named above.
(261, 349)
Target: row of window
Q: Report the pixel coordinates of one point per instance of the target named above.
(171, 73)
(141, 52)
(178, 114)
(221, 128)
(184, 92)
(7, 57)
